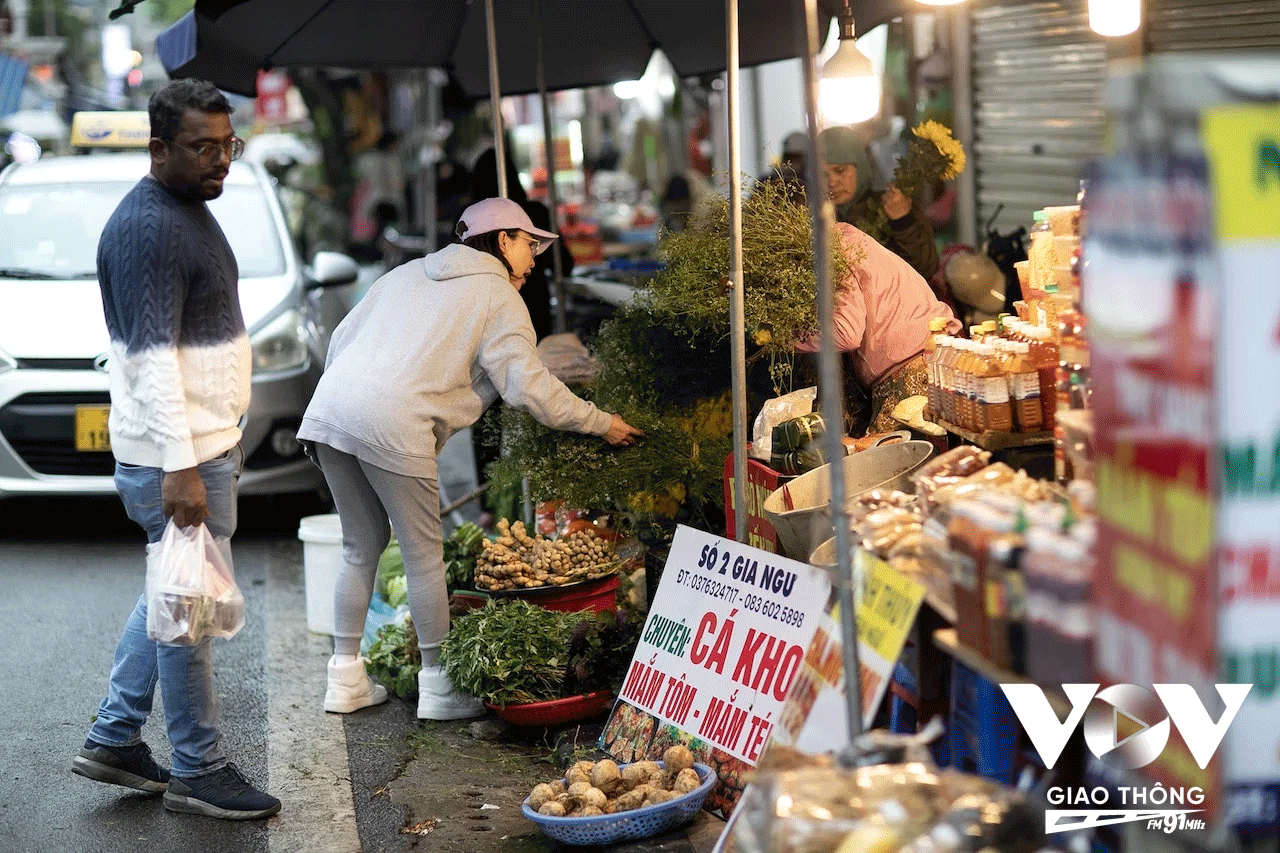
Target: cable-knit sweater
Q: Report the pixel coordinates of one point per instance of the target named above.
(180, 365)
(428, 348)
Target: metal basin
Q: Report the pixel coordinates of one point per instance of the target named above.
(801, 509)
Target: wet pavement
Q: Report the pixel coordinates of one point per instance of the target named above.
(462, 789)
(377, 781)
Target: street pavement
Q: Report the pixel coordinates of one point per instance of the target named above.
(376, 781)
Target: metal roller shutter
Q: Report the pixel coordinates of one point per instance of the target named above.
(1038, 73)
(1211, 25)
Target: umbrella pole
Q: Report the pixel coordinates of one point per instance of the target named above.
(495, 98)
(829, 380)
(737, 310)
(500, 155)
(553, 200)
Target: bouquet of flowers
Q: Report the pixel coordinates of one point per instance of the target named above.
(932, 155)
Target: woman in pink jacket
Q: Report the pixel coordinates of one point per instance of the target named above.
(882, 321)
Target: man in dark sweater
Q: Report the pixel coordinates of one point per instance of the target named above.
(180, 373)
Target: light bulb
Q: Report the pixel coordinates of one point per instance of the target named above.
(1115, 17)
(848, 100)
(849, 90)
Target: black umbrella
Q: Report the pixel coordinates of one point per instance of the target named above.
(584, 42)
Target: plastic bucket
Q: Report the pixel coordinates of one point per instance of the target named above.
(800, 509)
(321, 537)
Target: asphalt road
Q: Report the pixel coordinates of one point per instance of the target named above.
(70, 573)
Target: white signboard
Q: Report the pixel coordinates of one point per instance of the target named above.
(726, 634)
(1243, 144)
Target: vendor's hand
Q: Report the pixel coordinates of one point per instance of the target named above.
(896, 205)
(621, 433)
(184, 498)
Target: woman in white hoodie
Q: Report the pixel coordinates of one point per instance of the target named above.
(421, 356)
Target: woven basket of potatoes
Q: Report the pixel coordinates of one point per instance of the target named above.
(599, 802)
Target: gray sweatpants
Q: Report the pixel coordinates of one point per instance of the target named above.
(367, 498)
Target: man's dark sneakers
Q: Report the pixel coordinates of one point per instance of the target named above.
(224, 793)
(130, 766)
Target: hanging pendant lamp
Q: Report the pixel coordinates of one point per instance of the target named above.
(849, 88)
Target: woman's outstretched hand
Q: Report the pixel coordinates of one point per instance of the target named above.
(621, 433)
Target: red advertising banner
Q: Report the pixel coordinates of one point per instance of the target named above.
(1151, 297)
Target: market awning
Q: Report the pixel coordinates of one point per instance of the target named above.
(584, 42)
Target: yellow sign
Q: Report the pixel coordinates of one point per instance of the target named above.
(1243, 146)
(122, 129)
(890, 601)
(91, 428)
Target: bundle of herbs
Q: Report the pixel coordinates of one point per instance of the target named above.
(778, 278)
(662, 377)
(665, 368)
(514, 653)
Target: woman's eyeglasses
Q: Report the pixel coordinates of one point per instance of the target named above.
(534, 243)
(206, 153)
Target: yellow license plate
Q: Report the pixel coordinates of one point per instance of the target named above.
(91, 428)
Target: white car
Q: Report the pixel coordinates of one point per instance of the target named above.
(54, 343)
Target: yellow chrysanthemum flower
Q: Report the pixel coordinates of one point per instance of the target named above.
(954, 152)
(665, 506)
(932, 131)
(948, 146)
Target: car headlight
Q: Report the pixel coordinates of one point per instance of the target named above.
(7, 362)
(281, 345)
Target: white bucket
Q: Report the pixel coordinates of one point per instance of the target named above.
(321, 537)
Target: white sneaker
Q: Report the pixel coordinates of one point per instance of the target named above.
(438, 699)
(350, 687)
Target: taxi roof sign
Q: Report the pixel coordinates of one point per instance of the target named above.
(111, 129)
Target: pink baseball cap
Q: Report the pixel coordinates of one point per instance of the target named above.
(500, 214)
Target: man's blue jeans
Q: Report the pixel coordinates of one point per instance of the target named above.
(185, 673)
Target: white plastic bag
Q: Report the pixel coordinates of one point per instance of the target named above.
(776, 411)
(191, 587)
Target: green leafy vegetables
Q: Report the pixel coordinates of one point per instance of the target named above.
(394, 658)
(461, 549)
(515, 652)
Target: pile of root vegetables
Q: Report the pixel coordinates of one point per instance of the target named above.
(516, 560)
(592, 788)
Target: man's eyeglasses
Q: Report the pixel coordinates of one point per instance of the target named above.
(207, 152)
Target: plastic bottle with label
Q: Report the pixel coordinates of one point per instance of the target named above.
(951, 375)
(964, 384)
(1040, 253)
(993, 411)
(1024, 385)
(1044, 355)
(932, 352)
